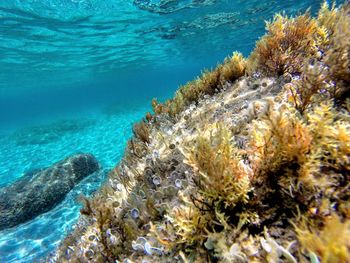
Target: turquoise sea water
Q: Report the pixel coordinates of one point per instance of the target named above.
(75, 75)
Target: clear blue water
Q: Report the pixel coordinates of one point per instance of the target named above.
(75, 75)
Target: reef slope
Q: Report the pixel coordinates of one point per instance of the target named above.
(248, 163)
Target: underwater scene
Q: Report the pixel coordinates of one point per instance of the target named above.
(174, 131)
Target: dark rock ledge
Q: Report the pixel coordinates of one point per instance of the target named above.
(39, 191)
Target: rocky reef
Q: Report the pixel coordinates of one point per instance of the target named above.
(248, 163)
(39, 191)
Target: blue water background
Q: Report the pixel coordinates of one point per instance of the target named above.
(75, 75)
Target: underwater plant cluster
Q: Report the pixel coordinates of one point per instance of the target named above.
(247, 163)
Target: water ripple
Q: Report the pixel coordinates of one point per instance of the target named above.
(57, 37)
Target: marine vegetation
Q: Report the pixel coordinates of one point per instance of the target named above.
(248, 163)
(208, 83)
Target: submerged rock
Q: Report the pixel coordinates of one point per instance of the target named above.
(40, 190)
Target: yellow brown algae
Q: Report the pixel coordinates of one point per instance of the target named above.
(242, 165)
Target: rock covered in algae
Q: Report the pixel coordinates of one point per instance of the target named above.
(248, 163)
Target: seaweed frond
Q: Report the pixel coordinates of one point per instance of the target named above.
(142, 132)
(311, 87)
(337, 58)
(331, 136)
(157, 107)
(209, 82)
(221, 175)
(328, 17)
(279, 139)
(190, 224)
(330, 243)
(285, 46)
(233, 68)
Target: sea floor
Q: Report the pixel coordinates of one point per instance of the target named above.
(103, 133)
